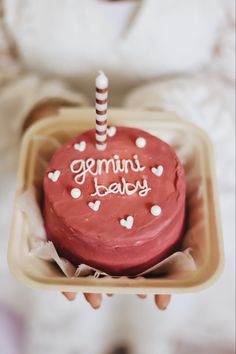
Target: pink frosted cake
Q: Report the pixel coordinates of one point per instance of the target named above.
(120, 210)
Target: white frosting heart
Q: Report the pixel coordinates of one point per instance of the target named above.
(158, 171)
(53, 176)
(111, 131)
(156, 210)
(94, 205)
(128, 222)
(80, 146)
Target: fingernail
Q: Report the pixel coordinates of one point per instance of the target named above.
(163, 308)
(70, 296)
(164, 302)
(96, 302)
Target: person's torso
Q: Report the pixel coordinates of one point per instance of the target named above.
(130, 40)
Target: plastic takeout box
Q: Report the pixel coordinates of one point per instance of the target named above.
(195, 150)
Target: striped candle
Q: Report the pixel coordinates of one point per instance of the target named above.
(101, 111)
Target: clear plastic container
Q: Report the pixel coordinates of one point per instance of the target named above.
(203, 234)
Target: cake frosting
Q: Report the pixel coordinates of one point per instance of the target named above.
(121, 210)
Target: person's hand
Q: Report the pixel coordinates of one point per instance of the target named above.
(95, 300)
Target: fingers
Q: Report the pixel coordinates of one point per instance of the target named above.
(95, 300)
(70, 296)
(141, 296)
(162, 301)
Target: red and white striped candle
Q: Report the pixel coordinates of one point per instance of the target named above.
(101, 111)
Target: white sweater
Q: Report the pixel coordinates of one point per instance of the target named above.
(130, 40)
(185, 48)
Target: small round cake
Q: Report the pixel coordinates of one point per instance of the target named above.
(121, 210)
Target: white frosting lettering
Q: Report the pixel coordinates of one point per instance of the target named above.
(81, 168)
(97, 167)
(123, 187)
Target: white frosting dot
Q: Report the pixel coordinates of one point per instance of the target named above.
(156, 210)
(140, 142)
(116, 157)
(75, 193)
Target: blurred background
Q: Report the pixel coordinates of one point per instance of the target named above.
(159, 54)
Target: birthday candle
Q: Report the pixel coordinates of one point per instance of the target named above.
(101, 111)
